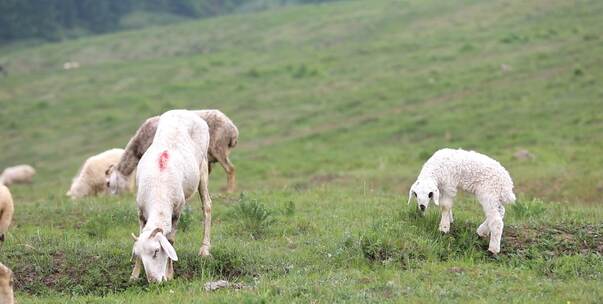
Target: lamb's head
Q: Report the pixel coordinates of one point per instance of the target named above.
(6, 285)
(424, 190)
(154, 249)
(116, 182)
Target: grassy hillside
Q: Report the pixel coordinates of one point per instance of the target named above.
(338, 106)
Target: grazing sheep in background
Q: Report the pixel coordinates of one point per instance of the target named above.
(71, 65)
(223, 137)
(171, 170)
(6, 285)
(472, 172)
(17, 175)
(6, 210)
(90, 180)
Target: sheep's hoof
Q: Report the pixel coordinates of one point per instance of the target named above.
(482, 232)
(204, 252)
(493, 252)
(133, 279)
(445, 229)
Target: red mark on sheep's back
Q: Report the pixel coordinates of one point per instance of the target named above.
(163, 158)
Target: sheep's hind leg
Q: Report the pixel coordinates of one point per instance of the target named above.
(495, 224)
(206, 199)
(229, 168)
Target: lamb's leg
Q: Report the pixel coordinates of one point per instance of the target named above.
(229, 168)
(483, 229)
(206, 199)
(495, 224)
(446, 207)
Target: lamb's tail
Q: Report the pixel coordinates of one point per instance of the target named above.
(508, 198)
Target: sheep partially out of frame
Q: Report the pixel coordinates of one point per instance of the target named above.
(6, 285)
(6, 211)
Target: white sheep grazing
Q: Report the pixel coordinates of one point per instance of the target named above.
(169, 172)
(6, 285)
(487, 179)
(223, 138)
(6, 210)
(90, 180)
(17, 175)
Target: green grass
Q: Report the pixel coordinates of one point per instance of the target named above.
(338, 106)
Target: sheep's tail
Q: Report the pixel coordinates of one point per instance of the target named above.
(509, 198)
(233, 142)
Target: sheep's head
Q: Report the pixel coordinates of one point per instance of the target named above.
(154, 249)
(6, 285)
(424, 191)
(116, 182)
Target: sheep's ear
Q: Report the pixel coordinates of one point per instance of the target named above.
(409, 196)
(155, 232)
(169, 249)
(134, 237)
(109, 170)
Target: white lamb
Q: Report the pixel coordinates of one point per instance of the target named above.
(487, 179)
(6, 210)
(90, 180)
(17, 175)
(169, 172)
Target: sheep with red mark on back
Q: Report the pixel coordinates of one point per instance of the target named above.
(169, 172)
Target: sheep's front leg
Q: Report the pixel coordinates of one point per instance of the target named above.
(446, 220)
(206, 199)
(142, 221)
(483, 229)
(136, 271)
(169, 273)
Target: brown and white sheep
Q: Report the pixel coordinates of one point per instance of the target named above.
(6, 210)
(90, 180)
(223, 138)
(17, 175)
(6, 285)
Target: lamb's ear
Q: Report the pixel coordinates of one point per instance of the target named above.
(108, 171)
(436, 197)
(169, 249)
(409, 196)
(134, 237)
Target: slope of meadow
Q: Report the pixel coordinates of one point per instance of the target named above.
(338, 106)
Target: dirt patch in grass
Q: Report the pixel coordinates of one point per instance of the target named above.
(556, 240)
